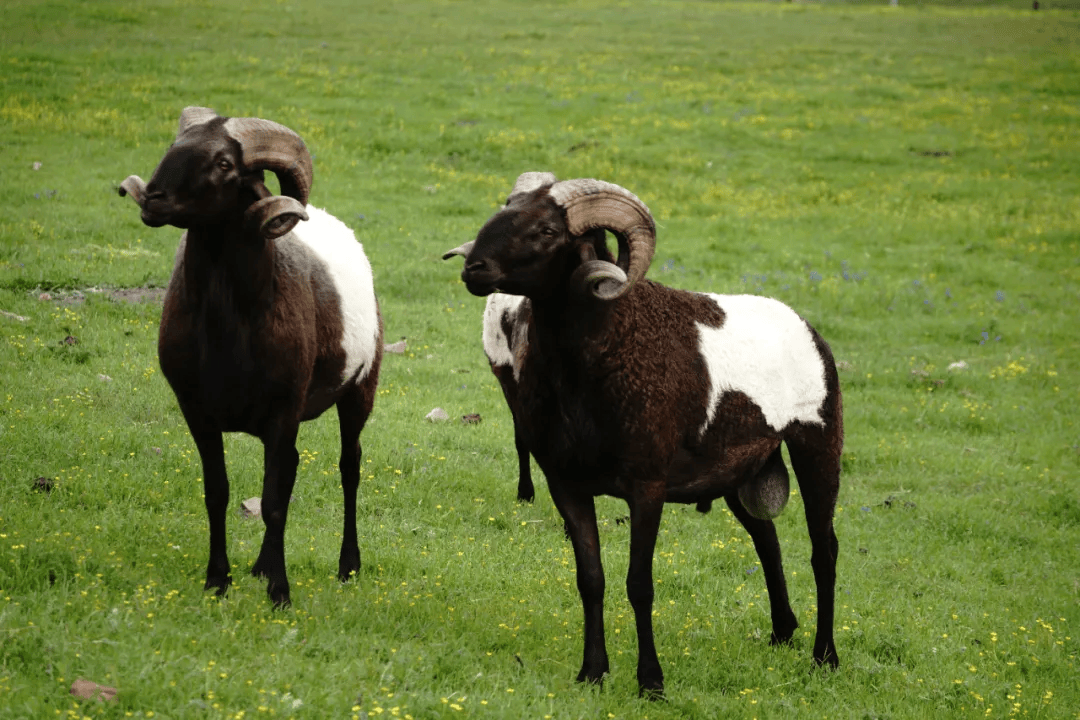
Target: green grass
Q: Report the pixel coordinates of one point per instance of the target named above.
(904, 177)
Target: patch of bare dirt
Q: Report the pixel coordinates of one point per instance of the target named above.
(137, 295)
(127, 295)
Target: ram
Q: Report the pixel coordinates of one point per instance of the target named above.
(270, 318)
(650, 394)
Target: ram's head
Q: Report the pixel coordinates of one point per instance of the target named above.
(214, 170)
(548, 230)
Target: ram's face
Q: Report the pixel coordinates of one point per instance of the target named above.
(199, 180)
(521, 250)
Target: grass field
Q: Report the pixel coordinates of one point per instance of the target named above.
(906, 178)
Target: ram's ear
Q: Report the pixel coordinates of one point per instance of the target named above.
(274, 216)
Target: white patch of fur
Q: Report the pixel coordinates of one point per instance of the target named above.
(334, 243)
(764, 350)
(496, 344)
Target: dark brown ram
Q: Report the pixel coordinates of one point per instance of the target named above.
(642, 392)
(270, 318)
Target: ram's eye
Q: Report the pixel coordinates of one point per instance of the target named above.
(224, 165)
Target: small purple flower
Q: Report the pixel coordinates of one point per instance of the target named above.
(999, 296)
(815, 276)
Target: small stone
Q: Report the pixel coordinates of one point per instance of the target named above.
(88, 690)
(397, 348)
(958, 365)
(252, 507)
(43, 484)
(437, 415)
(71, 340)
(470, 419)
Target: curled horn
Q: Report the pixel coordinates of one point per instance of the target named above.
(134, 186)
(605, 280)
(274, 216)
(591, 204)
(267, 145)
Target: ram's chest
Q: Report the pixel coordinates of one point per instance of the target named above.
(237, 372)
(571, 427)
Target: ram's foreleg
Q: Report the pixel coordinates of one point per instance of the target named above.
(579, 517)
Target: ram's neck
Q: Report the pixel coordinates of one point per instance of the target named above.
(223, 267)
(581, 328)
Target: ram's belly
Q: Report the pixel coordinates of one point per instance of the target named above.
(706, 473)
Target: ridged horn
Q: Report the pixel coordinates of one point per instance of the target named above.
(274, 216)
(590, 204)
(267, 145)
(604, 280)
(134, 186)
(192, 116)
(529, 181)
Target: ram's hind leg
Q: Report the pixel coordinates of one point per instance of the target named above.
(763, 533)
(818, 473)
(525, 492)
(353, 410)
